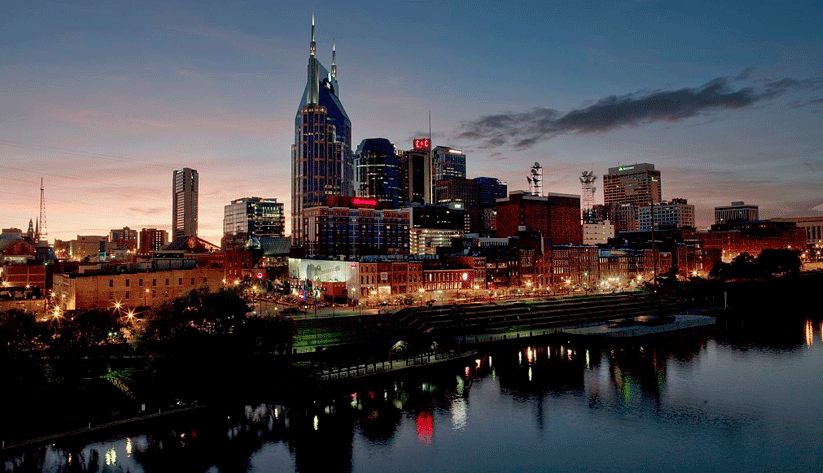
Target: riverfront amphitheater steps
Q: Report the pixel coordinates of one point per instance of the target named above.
(483, 318)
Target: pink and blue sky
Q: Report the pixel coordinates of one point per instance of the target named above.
(105, 99)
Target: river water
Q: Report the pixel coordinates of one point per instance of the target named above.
(747, 396)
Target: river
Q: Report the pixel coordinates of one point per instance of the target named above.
(747, 396)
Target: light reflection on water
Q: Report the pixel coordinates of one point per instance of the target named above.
(744, 399)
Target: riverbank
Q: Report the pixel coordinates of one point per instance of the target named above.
(95, 430)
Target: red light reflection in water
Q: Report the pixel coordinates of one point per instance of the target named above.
(425, 427)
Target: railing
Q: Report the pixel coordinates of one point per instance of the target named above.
(337, 373)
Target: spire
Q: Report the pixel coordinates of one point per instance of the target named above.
(313, 47)
(334, 59)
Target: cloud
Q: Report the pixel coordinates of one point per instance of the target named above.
(148, 211)
(525, 129)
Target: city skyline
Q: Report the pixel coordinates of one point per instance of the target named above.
(104, 101)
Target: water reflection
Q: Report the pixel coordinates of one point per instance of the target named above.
(696, 401)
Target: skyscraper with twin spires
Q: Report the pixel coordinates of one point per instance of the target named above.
(322, 162)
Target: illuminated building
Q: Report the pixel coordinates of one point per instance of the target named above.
(433, 226)
(377, 172)
(251, 217)
(321, 154)
(677, 213)
(812, 225)
(133, 288)
(456, 193)
(152, 239)
(638, 184)
(122, 239)
(354, 226)
(185, 183)
(597, 233)
(448, 163)
(737, 212)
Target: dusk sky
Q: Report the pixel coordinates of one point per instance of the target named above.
(105, 99)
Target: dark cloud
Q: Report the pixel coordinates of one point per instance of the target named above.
(744, 74)
(525, 129)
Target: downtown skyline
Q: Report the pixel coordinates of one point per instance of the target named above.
(105, 101)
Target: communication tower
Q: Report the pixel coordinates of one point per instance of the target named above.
(587, 179)
(535, 180)
(41, 223)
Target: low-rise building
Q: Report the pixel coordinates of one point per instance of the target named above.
(82, 291)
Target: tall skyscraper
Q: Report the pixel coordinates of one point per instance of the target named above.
(184, 202)
(377, 171)
(321, 154)
(416, 174)
(638, 184)
(448, 163)
(251, 217)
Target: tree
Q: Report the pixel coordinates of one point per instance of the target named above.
(19, 331)
(778, 261)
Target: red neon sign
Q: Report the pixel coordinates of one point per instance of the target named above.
(422, 143)
(362, 201)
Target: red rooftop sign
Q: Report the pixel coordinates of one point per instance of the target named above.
(422, 143)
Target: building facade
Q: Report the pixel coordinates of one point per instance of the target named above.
(638, 184)
(555, 216)
(812, 225)
(322, 161)
(354, 226)
(448, 163)
(737, 212)
(185, 185)
(152, 239)
(377, 172)
(677, 213)
(122, 240)
(76, 291)
(251, 217)
(597, 233)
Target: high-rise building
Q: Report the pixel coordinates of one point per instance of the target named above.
(737, 212)
(321, 154)
(377, 172)
(251, 217)
(676, 214)
(490, 189)
(153, 239)
(638, 184)
(354, 226)
(416, 174)
(456, 193)
(184, 202)
(448, 163)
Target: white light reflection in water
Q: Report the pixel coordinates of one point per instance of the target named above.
(530, 373)
(316, 422)
(111, 457)
(128, 447)
(460, 413)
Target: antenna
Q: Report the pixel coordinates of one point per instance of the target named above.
(41, 232)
